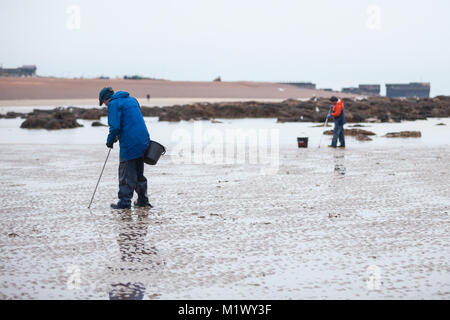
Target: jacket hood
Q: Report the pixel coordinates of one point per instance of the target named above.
(120, 94)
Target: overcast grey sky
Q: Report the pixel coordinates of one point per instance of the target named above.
(332, 43)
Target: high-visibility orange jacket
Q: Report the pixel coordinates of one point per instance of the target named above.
(338, 107)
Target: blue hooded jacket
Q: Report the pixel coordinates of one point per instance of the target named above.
(126, 122)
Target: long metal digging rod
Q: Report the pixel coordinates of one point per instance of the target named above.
(326, 122)
(99, 178)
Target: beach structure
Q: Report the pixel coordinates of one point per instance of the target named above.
(364, 89)
(410, 90)
(133, 77)
(303, 85)
(23, 71)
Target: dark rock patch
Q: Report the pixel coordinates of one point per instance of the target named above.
(376, 109)
(352, 132)
(98, 124)
(358, 126)
(91, 114)
(13, 115)
(50, 120)
(404, 134)
(362, 137)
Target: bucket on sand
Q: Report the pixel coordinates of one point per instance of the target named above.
(302, 142)
(153, 152)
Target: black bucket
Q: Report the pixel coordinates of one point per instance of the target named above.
(302, 142)
(154, 151)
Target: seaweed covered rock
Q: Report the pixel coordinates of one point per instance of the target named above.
(170, 116)
(404, 134)
(362, 137)
(87, 114)
(352, 132)
(98, 124)
(91, 114)
(57, 119)
(12, 115)
(151, 111)
(376, 109)
(294, 119)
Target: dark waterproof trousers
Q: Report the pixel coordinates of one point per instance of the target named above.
(131, 178)
(338, 134)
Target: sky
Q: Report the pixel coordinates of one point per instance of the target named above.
(332, 43)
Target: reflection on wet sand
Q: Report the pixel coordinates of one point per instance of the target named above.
(337, 183)
(136, 254)
(339, 165)
(228, 232)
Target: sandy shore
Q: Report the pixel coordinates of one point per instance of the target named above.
(29, 104)
(370, 222)
(70, 91)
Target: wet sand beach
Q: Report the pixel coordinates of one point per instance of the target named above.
(368, 222)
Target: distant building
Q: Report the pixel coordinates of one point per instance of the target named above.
(372, 89)
(410, 90)
(133, 77)
(23, 71)
(364, 89)
(303, 85)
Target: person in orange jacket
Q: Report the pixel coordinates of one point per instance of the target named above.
(339, 120)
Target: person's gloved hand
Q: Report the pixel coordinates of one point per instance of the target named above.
(111, 144)
(329, 116)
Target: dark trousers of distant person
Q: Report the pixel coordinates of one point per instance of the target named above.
(338, 134)
(131, 178)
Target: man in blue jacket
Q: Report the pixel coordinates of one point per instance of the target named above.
(127, 125)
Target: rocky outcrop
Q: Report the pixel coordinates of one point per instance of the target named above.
(352, 132)
(376, 109)
(61, 118)
(51, 120)
(170, 116)
(151, 111)
(13, 115)
(404, 134)
(91, 114)
(362, 137)
(98, 124)
(359, 134)
(88, 114)
(358, 126)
